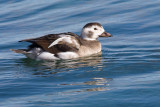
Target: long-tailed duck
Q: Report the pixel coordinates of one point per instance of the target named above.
(66, 45)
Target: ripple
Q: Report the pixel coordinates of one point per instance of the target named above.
(127, 70)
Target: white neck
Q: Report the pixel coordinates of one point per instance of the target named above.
(86, 38)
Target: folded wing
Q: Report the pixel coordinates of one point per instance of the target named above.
(55, 43)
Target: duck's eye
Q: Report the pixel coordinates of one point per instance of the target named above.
(95, 29)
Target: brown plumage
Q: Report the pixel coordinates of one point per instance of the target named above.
(46, 40)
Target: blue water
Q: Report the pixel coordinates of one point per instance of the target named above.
(127, 74)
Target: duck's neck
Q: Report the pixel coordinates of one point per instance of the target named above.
(87, 38)
(89, 47)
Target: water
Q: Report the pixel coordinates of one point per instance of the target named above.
(127, 74)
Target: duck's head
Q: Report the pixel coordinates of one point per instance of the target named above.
(92, 31)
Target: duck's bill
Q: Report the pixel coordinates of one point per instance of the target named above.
(105, 34)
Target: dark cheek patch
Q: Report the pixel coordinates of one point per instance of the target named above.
(95, 29)
(90, 34)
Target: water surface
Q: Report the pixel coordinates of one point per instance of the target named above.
(127, 74)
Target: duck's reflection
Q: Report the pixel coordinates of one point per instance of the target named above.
(75, 63)
(60, 69)
(95, 60)
(101, 84)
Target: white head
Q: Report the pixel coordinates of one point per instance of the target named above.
(92, 31)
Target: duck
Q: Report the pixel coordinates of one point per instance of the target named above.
(66, 45)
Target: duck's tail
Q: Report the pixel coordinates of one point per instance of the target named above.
(22, 51)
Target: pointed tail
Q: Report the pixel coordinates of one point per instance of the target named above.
(22, 51)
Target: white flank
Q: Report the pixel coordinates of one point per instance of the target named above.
(65, 39)
(67, 55)
(46, 56)
(33, 53)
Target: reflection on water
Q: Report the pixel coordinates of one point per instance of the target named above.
(127, 73)
(96, 81)
(90, 89)
(72, 63)
(102, 83)
(48, 67)
(75, 63)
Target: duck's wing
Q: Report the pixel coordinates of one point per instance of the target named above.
(55, 43)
